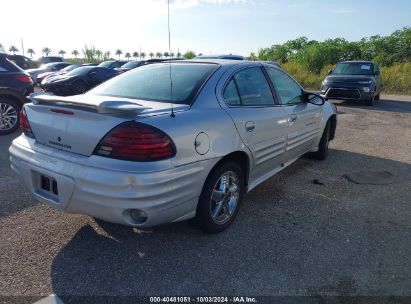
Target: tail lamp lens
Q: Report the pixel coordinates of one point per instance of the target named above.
(23, 78)
(25, 125)
(136, 142)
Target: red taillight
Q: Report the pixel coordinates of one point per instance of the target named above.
(136, 142)
(23, 78)
(25, 125)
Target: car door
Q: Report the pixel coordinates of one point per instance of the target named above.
(303, 118)
(261, 124)
(378, 81)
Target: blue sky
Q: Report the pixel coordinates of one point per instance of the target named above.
(207, 26)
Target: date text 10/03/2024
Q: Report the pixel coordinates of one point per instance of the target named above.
(203, 300)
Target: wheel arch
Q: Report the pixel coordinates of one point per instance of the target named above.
(242, 159)
(12, 95)
(333, 125)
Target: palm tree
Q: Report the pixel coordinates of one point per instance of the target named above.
(119, 52)
(107, 55)
(46, 51)
(178, 54)
(128, 56)
(75, 53)
(158, 55)
(151, 55)
(13, 49)
(171, 54)
(62, 52)
(1, 47)
(135, 55)
(143, 55)
(99, 53)
(166, 54)
(31, 52)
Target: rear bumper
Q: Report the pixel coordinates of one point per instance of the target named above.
(165, 196)
(346, 93)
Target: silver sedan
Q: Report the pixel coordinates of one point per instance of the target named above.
(169, 142)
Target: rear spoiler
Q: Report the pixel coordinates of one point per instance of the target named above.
(102, 107)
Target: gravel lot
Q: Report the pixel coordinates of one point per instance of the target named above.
(292, 237)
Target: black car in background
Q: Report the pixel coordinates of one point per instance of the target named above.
(112, 64)
(15, 85)
(130, 65)
(353, 80)
(77, 81)
(69, 68)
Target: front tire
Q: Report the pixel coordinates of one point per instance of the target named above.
(370, 102)
(9, 115)
(220, 198)
(322, 152)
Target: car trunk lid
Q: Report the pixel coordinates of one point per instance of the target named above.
(78, 123)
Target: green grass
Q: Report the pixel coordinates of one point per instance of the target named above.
(396, 78)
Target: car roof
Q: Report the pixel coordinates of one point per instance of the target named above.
(227, 56)
(356, 61)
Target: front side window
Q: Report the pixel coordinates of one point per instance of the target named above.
(288, 91)
(249, 87)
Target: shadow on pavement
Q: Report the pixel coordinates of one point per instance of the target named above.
(291, 238)
(385, 105)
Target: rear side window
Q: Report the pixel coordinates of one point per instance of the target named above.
(249, 87)
(152, 82)
(8, 66)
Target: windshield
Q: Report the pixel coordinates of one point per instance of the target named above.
(80, 71)
(105, 64)
(152, 82)
(132, 64)
(69, 68)
(353, 68)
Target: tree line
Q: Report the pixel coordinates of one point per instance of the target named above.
(91, 53)
(314, 55)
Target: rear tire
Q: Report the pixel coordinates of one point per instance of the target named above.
(322, 152)
(220, 198)
(9, 115)
(370, 102)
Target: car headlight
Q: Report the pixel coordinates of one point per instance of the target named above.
(366, 89)
(365, 82)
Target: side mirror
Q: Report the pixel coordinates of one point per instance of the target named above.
(329, 72)
(377, 73)
(314, 98)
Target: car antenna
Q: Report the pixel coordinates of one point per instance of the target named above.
(169, 50)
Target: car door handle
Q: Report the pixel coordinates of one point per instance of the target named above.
(250, 126)
(292, 118)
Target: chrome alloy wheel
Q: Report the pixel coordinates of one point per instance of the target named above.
(8, 116)
(225, 197)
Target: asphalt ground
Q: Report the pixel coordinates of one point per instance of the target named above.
(291, 238)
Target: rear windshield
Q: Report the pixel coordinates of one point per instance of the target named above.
(8, 66)
(152, 82)
(353, 68)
